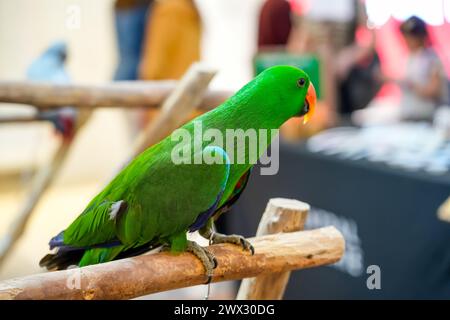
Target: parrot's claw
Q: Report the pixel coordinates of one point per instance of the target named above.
(234, 239)
(247, 245)
(164, 248)
(207, 258)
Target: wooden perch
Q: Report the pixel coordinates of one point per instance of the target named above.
(116, 94)
(281, 215)
(141, 275)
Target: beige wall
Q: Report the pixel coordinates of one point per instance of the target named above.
(28, 26)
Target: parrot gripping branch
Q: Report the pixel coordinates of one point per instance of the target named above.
(281, 215)
(163, 200)
(145, 274)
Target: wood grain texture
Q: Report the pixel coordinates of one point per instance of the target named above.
(281, 215)
(137, 276)
(130, 94)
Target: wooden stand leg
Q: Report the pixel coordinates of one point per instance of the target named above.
(281, 215)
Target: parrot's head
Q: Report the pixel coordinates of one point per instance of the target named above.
(286, 92)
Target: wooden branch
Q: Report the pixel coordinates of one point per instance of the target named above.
(141, 275)
(176, 109)
(281, 215)
(116, 94)
(41, 182)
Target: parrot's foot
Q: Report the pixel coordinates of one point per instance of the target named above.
(234, 239)
(207, 258)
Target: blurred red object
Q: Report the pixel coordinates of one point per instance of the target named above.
(274, 23)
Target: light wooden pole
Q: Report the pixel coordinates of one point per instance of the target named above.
(127, 94)
(40, 184)
(281, 215)
(20, 119)
(145, 274)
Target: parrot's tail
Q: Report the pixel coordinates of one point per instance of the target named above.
(62, 259)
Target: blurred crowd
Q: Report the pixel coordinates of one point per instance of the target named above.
(157, 39)
(333, 40)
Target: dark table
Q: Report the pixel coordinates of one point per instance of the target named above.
(387, 215)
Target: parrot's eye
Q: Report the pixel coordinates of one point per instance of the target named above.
(301, 82)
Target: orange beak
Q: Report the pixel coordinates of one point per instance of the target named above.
(311, 99)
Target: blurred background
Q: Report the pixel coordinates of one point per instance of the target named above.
(374, 161)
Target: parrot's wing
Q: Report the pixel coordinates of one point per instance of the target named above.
(93, 231)
(165, 201)
(154, 205)
(237, 191)
(95, 227)
(173, 199)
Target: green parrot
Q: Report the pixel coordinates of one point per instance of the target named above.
(155, 202)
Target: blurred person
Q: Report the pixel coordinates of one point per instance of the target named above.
(172, 40)
(357, 72)
(130, 19)
(274, 24)
(424, 86)
(325, 28)
(324, 22)
(349, 63)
